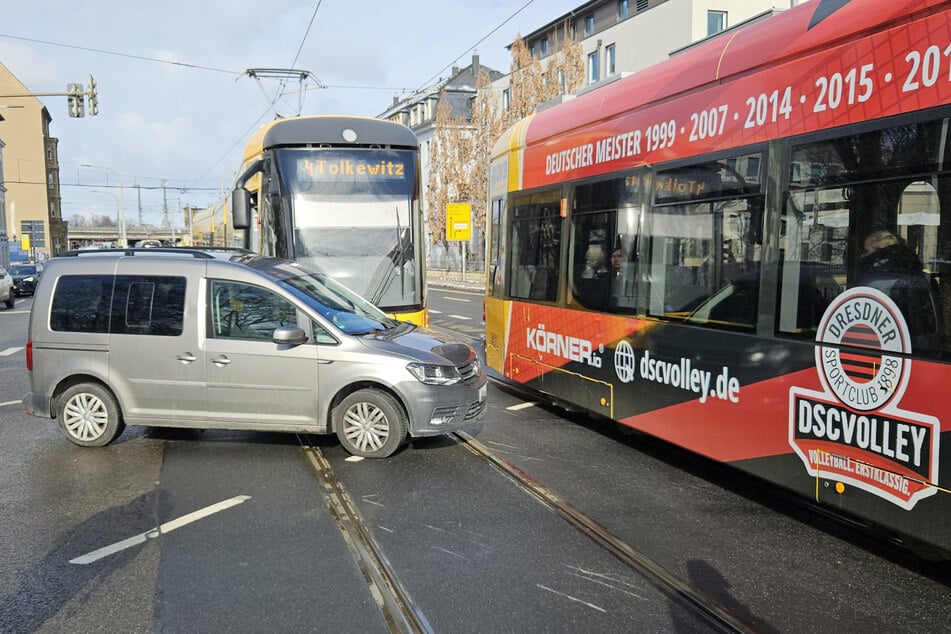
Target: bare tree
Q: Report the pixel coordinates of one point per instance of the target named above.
(460, 150)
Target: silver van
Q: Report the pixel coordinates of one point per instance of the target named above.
(186, 338)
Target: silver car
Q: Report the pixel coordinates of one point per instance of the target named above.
(7, 294)
(213, 341)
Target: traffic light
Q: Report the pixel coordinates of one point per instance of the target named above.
(93, 97)
(77, 100)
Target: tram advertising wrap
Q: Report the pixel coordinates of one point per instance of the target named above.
(742, 251)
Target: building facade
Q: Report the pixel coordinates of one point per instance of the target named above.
(624, 36)
(30, 189)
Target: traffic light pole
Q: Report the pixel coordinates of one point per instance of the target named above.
(75, 94)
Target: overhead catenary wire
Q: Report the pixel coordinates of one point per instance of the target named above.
(237, 73)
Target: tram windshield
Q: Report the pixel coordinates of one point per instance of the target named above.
(352, 213)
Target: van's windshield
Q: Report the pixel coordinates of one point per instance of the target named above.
(345, 309)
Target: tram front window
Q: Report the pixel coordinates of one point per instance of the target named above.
(353, 217)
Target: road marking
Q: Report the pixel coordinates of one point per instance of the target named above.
(9, 351)
(462, 317)
(15, 312)
(568, 596)
(167, 527)
(515, 408)
(11, 403)
(435, 312)
(457, 299)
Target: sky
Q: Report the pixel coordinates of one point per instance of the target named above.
(176, 105)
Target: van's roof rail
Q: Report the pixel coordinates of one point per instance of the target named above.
(195, 252)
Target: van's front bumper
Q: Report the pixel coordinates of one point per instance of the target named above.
(440, 409)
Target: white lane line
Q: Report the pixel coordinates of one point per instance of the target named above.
(457, 299)
(515, 408)
(167, 527)
(568, 596)
(11, 403)
(462, 317)
(9, 351)
(435, 312)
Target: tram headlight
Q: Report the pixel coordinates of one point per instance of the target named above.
(433, 374)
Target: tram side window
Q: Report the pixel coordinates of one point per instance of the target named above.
(705, 243)
(603, 254)
(871, 209)
(496, 260)
(536, 246)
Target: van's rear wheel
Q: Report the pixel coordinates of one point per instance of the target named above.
(11, 299)
(370, 423)
(89, 415)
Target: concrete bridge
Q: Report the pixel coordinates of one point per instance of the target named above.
(109, 236)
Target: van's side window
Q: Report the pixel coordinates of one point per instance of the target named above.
(242, 311)
(148, 305)
(82, 303)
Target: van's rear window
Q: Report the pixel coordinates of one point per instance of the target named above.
(124, 304)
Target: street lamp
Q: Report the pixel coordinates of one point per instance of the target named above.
(120, 201)
(121, 236)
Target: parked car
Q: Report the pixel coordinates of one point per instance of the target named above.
(25, 277)
(188, 338)
(7, 294)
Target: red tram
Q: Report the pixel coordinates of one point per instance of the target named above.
(741, 250)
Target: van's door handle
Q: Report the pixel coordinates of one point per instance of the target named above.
(186, 357)
(324, 361)
(222, 360)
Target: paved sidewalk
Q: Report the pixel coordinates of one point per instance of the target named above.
(475, 280)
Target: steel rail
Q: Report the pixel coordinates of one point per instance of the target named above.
(399, 612)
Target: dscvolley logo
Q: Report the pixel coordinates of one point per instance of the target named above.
(854, 431)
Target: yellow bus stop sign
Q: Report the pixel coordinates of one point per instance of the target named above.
(25, 241)
(458, 221)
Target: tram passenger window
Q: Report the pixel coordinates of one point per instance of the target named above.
(536, 246)
(605, 216)
(872, 209)
(704, 249)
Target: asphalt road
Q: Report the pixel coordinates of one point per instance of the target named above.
(473, 550)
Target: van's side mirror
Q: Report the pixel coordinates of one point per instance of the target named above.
(289, 336)
(241, 208)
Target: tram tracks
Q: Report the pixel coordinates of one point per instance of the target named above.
(399, 612)
(397, 607)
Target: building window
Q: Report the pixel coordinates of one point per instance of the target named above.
(622, 13)
(506, 99)
(589, 25)
(543, 45)
(49, 180)
(609, 60)
(716, 21)
(593, 67)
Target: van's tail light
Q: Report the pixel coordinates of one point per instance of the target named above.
(29, 355)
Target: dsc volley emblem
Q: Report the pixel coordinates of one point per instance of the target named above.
(854, 431)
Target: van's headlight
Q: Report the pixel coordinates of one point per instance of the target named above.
(432, 374)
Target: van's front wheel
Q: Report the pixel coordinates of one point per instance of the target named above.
(89, 415)
(370, 423)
